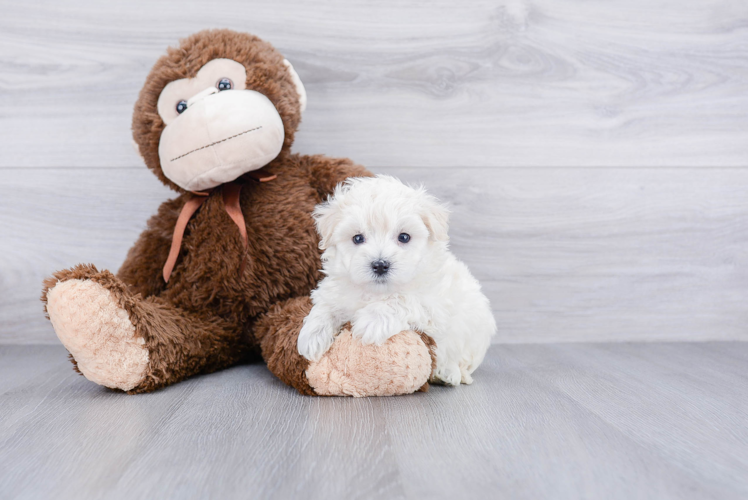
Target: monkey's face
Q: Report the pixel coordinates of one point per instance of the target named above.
(228, 116)
(216, 128)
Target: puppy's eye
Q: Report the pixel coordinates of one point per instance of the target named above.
(358, 239)
(181, 107)
(403, 238)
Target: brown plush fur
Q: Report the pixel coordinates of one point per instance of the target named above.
(210, 316)
(277, 332)
(431, 345)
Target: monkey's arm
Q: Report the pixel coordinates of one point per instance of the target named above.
(143, 266)
(327, 172)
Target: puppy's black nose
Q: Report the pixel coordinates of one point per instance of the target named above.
(380, 267)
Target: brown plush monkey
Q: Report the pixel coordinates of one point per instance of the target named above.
(223, 272)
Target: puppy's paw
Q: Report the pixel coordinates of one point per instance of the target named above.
(315, 339)
(373, 326)
(466, 378)
(447, 375)
(372, 332)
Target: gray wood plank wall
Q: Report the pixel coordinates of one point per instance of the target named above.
(594, 154)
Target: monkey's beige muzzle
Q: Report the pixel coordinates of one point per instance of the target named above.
(219, 137)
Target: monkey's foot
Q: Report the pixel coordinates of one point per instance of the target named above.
(401, 365)
(98, 333)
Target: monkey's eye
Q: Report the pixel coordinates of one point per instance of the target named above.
(181, 107)
(403, 238)
(358, 239)
(224, 84)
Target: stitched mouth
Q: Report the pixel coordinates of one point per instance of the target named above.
(217, 142)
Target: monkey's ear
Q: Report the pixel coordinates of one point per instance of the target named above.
(435, 216)
(137, 150)
(299, 86)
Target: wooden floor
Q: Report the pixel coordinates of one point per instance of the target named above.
(626, 420)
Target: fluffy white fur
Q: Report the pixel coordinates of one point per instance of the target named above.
(426, 288)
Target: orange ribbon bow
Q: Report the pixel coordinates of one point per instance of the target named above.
(231, 198)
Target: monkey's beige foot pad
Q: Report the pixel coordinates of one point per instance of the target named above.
(98, 334)
(402, 365)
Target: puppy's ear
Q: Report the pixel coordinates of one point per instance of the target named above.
(327, 216)
(436, 218)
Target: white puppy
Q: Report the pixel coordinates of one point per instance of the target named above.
(388, 269)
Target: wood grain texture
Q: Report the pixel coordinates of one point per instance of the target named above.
(614, 421)
(418, 84)
(563, 254)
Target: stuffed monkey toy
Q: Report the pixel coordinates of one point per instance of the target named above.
(223, 272)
